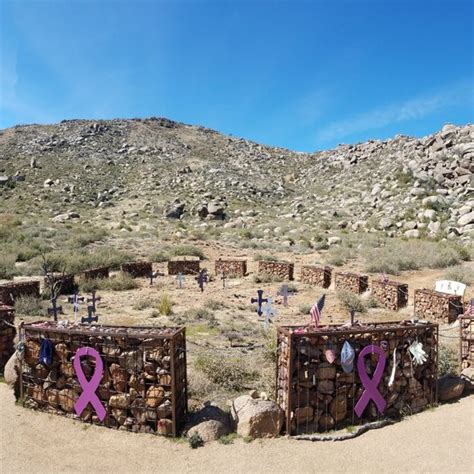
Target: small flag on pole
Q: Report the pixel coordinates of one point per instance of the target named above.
(316, 310)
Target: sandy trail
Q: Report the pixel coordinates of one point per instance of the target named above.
(439, 440)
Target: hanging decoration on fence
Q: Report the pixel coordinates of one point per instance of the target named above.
(330, 353)
(347, 358)
(89, 387)
(371, 392)
(417, 352)
(259, 300)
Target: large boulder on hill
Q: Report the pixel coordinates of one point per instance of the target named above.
(256, 417)
(175, 210)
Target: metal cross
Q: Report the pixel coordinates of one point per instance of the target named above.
(201, 279)
(259, 300)
(93, 300)
(55, 310)
(223, 278)
(75, 300)
(91, 316)
(283, 291)
(269, 311)
(180, 281)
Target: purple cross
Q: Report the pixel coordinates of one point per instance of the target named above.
(259, 300)
(201, 279)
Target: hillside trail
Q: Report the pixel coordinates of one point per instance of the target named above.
(438, 440)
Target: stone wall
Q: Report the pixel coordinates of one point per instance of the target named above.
(94, 273)
(10, 291)
(231, 267)
(185, 267)
(353, 282)
(7, 334)
(314, 275)
(466, 325)
(317, 395)
(391, 294)
(436, 306)
(143, 386)
(282, 270)
(137, 269)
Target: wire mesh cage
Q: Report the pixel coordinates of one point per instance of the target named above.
(143, 385)
(466, 326)
(318, 395)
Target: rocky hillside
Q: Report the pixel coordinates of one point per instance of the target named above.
(156, 174)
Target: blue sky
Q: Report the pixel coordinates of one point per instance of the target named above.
(305, 75)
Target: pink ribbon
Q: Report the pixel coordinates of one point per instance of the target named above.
(370, 384)
(89, 387)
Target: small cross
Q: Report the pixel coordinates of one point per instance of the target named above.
(201, 279)
(93, 300)
(223, 278)
(91, 316)
(259, 300)
(55, 310)
(284, 292)
(75, 300)
(269, 311)
(153, 275)
(180, 281)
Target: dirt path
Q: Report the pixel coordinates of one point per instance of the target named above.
(438, 440)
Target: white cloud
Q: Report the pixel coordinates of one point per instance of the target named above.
(417, 108)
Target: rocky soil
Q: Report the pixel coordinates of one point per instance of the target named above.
(156, 174)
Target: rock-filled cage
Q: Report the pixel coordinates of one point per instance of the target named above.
(143, 385)
(317, 394)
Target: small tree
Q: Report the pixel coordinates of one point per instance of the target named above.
(53, 281)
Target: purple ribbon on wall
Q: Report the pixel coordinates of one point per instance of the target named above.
(89, 387)
(371, 391)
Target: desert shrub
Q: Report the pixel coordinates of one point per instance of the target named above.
(86, 236)
(160, 256)
(413, 255)
(270, 346)
(201, 314)
(228, 439)
(187, 251)
(144, 303)
(459, 273)
(338, 256)
(214, 305)
(266, 278)
(259, 257)
(29, 306)
(304, 308)
(448, 363)
(7, 266)
(165, 306)
(228, 373)
(119, 282)
(195, 441)
(351, 301)
(404, 178)
(233, 335)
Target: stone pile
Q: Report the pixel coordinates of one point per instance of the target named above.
(94, 273)
(185, 267)
(7, 334)
(281, 270)
(353, 282)
(466, 325)
(317, 395)
(391, 294)
(231, 267)
(437, 306)
(314, 275)
(143, 386)
(137, 269)
(11, 291)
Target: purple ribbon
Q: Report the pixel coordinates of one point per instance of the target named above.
(89, 387)
(370, 384)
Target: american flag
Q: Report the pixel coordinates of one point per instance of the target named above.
(316, 310)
